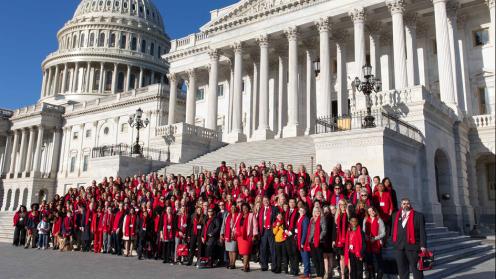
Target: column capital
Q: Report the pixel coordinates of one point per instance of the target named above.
(357, 14)
(411, 20)
(452, 8)
(191, 73)
(323, 24)
(263, 40)
(489, 3)
(214, 54)
(172, 77)
(237, 47)
(291, 33)
(396, 6)
(374, 27)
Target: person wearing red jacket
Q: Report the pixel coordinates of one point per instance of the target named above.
(20, 221)
(354, 249)
(129, 230)
(384, 204)
(97, 230)
(117, 230)
(167, 235)
(374, 230)
(56, 229)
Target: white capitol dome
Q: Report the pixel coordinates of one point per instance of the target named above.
(108, 47)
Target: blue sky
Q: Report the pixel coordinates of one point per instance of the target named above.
(28, 30)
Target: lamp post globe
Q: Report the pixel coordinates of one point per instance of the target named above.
(368, 85)
(135, 121)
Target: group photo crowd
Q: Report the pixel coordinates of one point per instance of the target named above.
(286, 219)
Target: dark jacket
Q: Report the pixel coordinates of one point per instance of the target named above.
(213, 231)
(420, 235)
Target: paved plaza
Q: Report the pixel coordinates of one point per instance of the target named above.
(19, 263)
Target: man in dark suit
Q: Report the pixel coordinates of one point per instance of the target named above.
(266, 218)
(409, 238)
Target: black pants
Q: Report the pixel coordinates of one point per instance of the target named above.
(210, 250)
(356, 267)
(317, 260)
(293, 255)
(267, 249)
(168, 251)
(116, 243)
(19, 235)
(280, 248)
(143, 243)
(193, 245)
(406, 262)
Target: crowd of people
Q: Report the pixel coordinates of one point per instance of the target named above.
(270, 214)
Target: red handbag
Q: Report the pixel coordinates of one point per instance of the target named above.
(182, 250)
(425, 261)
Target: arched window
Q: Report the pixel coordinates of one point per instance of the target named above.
(68, 42)
(123, 41)
(101, 40)
(134, 43)
(91, 42)
(112, 40)
(132, 82)
(143, 46)
(120, 82)
(74, 41)
(96, 80)
(81, 40)
(152, 49)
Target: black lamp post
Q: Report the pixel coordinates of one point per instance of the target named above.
(135, 120)
(366, 86)
(316, 66)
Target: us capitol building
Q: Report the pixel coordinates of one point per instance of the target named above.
(267, 76)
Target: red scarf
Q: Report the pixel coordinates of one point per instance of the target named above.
(268, 214)
(195, 226)
(299, 232)
(243, 229)
(229, 227)
(182, 225)
(372, 230)
(143, 225)
(410, 228)
(316, 234)
(205, 230)
(290, 219)
(341, 228)
(129, 226)
(167, 228)
(353, 243)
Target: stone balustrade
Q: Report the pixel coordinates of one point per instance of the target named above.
(189, 41)
(484, 120)
(187, 130)
(38, 108)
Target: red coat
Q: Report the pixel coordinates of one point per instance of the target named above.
(384, 205)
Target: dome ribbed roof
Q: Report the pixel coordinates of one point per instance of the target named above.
(141, 10)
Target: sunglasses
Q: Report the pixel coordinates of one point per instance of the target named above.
(364, 195)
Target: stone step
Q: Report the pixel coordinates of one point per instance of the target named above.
(460, 254)
(436, 230)
(463, 264)
(442, 235)
(442, 241)
(447, 248)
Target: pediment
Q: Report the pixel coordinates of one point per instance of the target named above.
(249, 9)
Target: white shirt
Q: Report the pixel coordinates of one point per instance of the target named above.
(404, 220)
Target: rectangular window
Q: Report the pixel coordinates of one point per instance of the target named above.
(88, 133)
(73, 164)
(200, 94)
(483, 100)
(123, 42)
(481, 37)
(75, 136)
(220, 90)
(124, 127)
(85, 163)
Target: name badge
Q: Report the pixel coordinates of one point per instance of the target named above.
(381, 203)
(351, 247)
(131, 226)
(198, 227)
(169, 227)
(296, 230)
(20, 219)
(144, 229)
(184, 226)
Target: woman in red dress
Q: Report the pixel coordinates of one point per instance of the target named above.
(246, 232)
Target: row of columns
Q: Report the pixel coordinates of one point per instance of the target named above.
(72, 81)
(25, 150)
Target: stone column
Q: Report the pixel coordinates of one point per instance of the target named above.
(56, 151)
(64, 148)
(48, 90)
(445, 67)
(310, 91)
(87, 78)
(102, 74)
(293, 128)
(386, 62)
(37, 153)
(282, 94)
(324, 102)
(75, 79)
(254, 97)
(374, 29)
(191, 98)
(172, 98)
(43, 85)
(55, 81)
(152, 77)
(29, 155)
(212, 102)
(237, 124)
(452, 10)
(341, 78)
(465, 75)
(423, 55)
(14, 153)
(114, 79)
(22, 151)
(411, 49)
(231, 96)
(358, 18)
(140, 83)
(128, 78)
(397, 8)
(64, 79)
(8, 151)
(263, 131)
